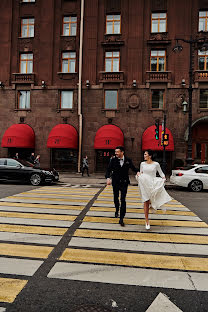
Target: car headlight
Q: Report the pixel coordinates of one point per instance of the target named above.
(46, 172)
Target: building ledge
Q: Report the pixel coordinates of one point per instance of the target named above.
(111, 77)
(67, 76)
(23, 78)
(201, 76)
(154, 76)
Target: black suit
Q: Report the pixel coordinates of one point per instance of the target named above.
(120, 180)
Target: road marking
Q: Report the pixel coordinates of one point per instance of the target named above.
(28, 251)
(130, 276)
(149, 237)
(24, 215)
(29, 238)
(42, 199)
(19, 266)
(38, 222)
(133, 259)
(41, 206)
(111, 204)
(54, 211)
(152, 222)
(10, 288)
(138, 210)
(32, 229)
(52, 195)
(162, 303)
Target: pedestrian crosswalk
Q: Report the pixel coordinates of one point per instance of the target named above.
(173, 254)
(31, 225)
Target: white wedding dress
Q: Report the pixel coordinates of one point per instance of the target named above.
(151, 187)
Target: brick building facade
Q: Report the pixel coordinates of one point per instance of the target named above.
(127, 48)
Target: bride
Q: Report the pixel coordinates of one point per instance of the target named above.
(151, 188)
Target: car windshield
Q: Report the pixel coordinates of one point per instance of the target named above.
(25, 163)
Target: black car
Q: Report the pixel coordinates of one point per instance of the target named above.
(21, 170)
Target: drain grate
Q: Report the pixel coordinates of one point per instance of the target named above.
(90, 308)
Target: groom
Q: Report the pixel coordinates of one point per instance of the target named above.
(118, 172)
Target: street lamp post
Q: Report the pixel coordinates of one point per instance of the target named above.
(178, 48)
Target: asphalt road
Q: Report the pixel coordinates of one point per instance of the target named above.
(196, 202)
(50, 294)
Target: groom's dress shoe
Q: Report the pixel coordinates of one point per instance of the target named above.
(121, 222)
(116, 214)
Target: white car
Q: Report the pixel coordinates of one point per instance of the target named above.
(194, 177)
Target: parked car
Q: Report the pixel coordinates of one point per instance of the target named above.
(194, 177)
(21, 170)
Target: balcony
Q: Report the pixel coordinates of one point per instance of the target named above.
(23, 78)
(153, 76)
(111, 77)
(201, 76)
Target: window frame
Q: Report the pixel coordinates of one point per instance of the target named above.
(159, 19)
(62, 59)
(70, 22)
(27, 60)
(60, 100)
(112, 58)
(28, 25)
(205, 56)
(158, 57)
(151, 93)
(206, 20)
(202, 108)
(110, 109)
(113, 21)
(18, 100)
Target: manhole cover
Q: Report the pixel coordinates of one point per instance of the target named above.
(90, 308)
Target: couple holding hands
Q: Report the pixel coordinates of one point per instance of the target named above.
(153, 193)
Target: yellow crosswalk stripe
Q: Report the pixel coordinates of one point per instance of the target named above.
(152, 222)
(10, 288)
(51, 206)
(29, 251)
(32, 229)
(138, 210)
(24, 215)
(57, 194)
(129, 203)
(47, 199)
(138, 260)
(149, 237)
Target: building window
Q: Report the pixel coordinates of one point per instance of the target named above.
(158, 60)
(113, 24)
(112, 61)
(203, 60)
(24, 100)
(28, 0)
(27, 27)
(203, 20)
(69, 26)
(159, 22)
(26, 63)
(66, 100)
(203, 99)
(111, 99)
(68, 62)
(158, 99)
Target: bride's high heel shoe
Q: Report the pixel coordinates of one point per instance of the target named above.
(147, 226)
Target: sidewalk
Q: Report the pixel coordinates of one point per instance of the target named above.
(95, 179)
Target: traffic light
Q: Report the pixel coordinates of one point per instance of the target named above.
(165, 139)
(157, 125)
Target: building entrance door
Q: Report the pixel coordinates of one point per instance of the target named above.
(200, 143)
(64, 159)
(103, 158)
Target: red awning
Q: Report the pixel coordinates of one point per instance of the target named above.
(108, 137)
(19, 135)
(63, 136)
(149, 141)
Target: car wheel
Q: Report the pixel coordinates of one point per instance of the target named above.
(35, 179)
(196, 186)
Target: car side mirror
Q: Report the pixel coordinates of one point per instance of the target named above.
(18, 166)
